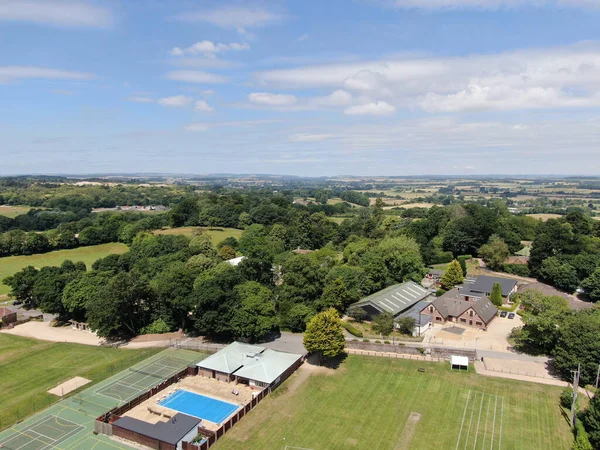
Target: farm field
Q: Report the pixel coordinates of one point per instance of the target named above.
(12, 264)
(13, 211)
(544, 217)
(31, 367)
(379, 403)
(473, 268)
(216, 234)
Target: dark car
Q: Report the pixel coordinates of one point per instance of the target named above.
(511, 316)
(17, 303)
(503, 314)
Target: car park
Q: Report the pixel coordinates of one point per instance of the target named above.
(503, 314)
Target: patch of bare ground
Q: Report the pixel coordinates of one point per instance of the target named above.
(408, 431)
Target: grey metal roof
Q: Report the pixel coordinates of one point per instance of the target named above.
(394, 299)
(171, 432)
(415, 313)
(485, 284)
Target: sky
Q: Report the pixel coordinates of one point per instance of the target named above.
(309, 88)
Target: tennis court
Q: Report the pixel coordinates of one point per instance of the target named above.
(68, 425)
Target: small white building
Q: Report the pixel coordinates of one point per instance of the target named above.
(459, 362)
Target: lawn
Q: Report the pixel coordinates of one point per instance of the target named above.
(12, 264)
(13, 211)
(368, 403)
(473, 268)
(31, 367)
(216, 234)
(544, 217)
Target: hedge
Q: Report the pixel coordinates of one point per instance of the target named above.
(516, 269)
(350, 329)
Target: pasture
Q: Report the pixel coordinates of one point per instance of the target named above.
(13, 211)
(31, 367)
(216, 234)
(12, 264)
(544, 217)
(380, 403)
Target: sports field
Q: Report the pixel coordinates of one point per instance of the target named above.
(31, 367)
(68, 425)
(380, 403)
(12, 264)
(13, 211)
(216, 234)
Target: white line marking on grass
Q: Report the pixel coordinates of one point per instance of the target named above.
(478, 421)
(487, 420)
(501, 417)
(463, 419)
(471, 420)
(494, 423)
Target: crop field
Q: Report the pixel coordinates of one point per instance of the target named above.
(216, 234)
(544, 217)
(13, 211)
(12, 264)
(379, 403)
(31, 367)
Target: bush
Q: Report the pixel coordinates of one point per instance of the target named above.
(159, 326)
(421, 350)
(442, 258)
(582, 441)
(566, 396)
(378, 342)
(352, 330)
(366, 340)
(386, 342)
(516, 269)
(440, 292)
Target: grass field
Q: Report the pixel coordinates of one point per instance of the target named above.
(473, 268)
(544, 217)
(31, 367)
(12, 264)
(386, 404)
(216, 234)
(13, 211)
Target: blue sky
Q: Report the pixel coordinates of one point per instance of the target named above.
(361, 87)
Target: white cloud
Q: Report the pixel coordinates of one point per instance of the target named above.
(201, 105)
(12, 73)
(59, 13)
(493, 5)
(265, 98)
(176, 101)
(306, 137)
(205, 126)
(198, 62)
(209, 48)
(235, 17)
(196, 76)
(371, 109)
(537, 78)
(338, 97)
(140, 99)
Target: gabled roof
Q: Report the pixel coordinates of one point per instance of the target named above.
(394, 299)
(267, 366)
(415, 313)
(448, 305)
(231, 358)
(5, 312)
(171, 432)
(485, 284)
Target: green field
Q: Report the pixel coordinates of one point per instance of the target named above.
(31, 367)
(368, 403)
(12, 264)
(216, 234)
(13, 211)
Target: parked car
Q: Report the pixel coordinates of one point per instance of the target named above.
(17, 303)
(503, 314)
(511, 316)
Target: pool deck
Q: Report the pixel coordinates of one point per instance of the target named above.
(208, 387)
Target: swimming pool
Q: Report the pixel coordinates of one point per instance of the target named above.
(200, 406)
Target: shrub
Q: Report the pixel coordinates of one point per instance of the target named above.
(440, 292)
(421, 350)
(366, 340)
(352, 330)
(159, 326)
(566, 396)
(582, 441)
(378, 342)
(386, 342)
(516, 269)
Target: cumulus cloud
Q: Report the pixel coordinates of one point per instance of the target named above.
(538, 78)
(265, 98)
(58, 13)
(205, 126)
(234, 17)
(338, 97)
(176, 101)
(371, 109)
(12, 73)
(209, 48)
(201, 105)
(140, 99)
(196, 76)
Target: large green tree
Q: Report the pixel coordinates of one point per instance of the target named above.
(325, 335)
(495, 252)
(453, 275)
(255, 318)
(591, 286)
(383, 324)
(496, 294)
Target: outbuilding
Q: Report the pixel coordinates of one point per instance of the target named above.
(459, 362)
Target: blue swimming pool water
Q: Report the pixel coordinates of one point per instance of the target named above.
(197, 405)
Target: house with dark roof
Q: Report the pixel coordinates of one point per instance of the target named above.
(483, 286)
(167, 435)
(7, 316)
(452, 307)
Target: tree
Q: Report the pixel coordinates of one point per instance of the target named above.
(21, 285)
(202, 245)
(335, 295)
(561, 275)
(358, 314)
(383, 324)
(453, 275)
(496, 294)
(591, 286)
(406, 325)
(255, 318)
(297, 317)
(495, 252)
(591, 421)
(325, 335)
(226, 253)
(78, 292)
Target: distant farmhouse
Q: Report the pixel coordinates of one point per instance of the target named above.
(400, 300)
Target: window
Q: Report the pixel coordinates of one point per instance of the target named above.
(463, 320)
(438, 318)
(478, 323)
(471, 313)
(431, 309)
